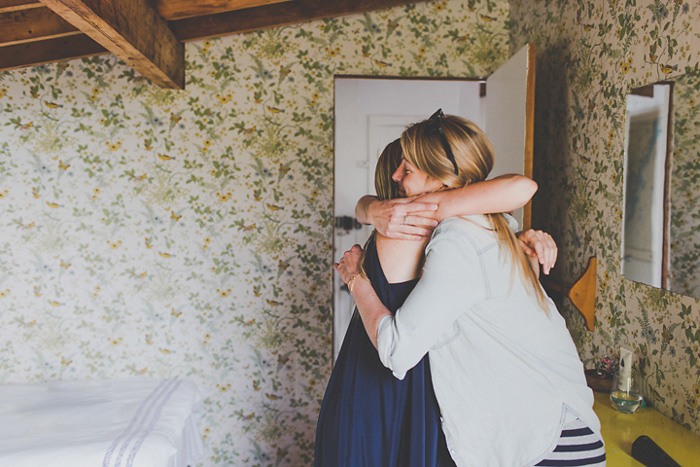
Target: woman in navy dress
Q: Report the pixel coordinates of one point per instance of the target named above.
(368, 417)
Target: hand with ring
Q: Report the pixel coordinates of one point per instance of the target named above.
(403, 218)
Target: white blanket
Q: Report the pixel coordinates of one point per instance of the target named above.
(117, 423)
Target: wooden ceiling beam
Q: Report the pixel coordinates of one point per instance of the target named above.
(132, 31)
(19, 5)
(293, 12)
(126, 26)
(28, 25)
(51, 50)
(179, 9)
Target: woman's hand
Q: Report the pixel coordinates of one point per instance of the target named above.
(401, 218)
(349, 264)
(371, 309)
(540, 245)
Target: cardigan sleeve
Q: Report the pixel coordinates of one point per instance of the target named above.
(454, 279)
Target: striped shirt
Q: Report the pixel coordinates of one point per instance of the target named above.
(577, 446)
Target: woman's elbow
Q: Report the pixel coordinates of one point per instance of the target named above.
(393, 361)
(528, 188)
(398, 370)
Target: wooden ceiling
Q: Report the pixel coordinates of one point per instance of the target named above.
(148, 35)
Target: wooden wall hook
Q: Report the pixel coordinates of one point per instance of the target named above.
(581, 293)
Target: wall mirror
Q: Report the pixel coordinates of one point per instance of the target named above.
(661, 221)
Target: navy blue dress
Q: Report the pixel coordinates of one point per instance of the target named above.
(368, 417)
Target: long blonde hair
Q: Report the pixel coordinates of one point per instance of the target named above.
(423, 146)
(384, 184)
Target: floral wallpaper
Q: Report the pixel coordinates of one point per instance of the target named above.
(159, 233)
(685, 187)
(590, 54)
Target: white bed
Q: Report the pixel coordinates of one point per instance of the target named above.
(115, 423)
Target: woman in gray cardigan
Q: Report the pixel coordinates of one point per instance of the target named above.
(506, 373)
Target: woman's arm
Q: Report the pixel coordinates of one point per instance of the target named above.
(412, 218)
(502, 194)
(366, 299)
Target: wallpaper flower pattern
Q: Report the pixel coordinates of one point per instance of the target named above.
(590, 54)
(156, 233)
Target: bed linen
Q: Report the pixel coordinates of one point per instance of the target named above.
(113, 423)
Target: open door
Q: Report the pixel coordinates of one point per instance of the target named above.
(509, 111)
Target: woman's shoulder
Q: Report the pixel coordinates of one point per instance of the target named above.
(393, 244)
(394, 248)
(400, 259)
(463, 223)
(475, 230)
(473, 222)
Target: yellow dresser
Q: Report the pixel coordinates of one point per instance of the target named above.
(621, 430)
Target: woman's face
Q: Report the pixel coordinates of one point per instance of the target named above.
(414, 182)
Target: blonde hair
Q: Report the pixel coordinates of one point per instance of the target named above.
(384, 184)
(423, 147)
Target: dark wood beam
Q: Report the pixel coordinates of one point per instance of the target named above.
(180, 9)
(132, 31)
(289, 12)
(51, 50)
(253, 19)
(19, 26)
(18, 5)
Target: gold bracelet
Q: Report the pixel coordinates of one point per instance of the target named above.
(351, 282)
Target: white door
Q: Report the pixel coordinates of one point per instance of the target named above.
(509, 111)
